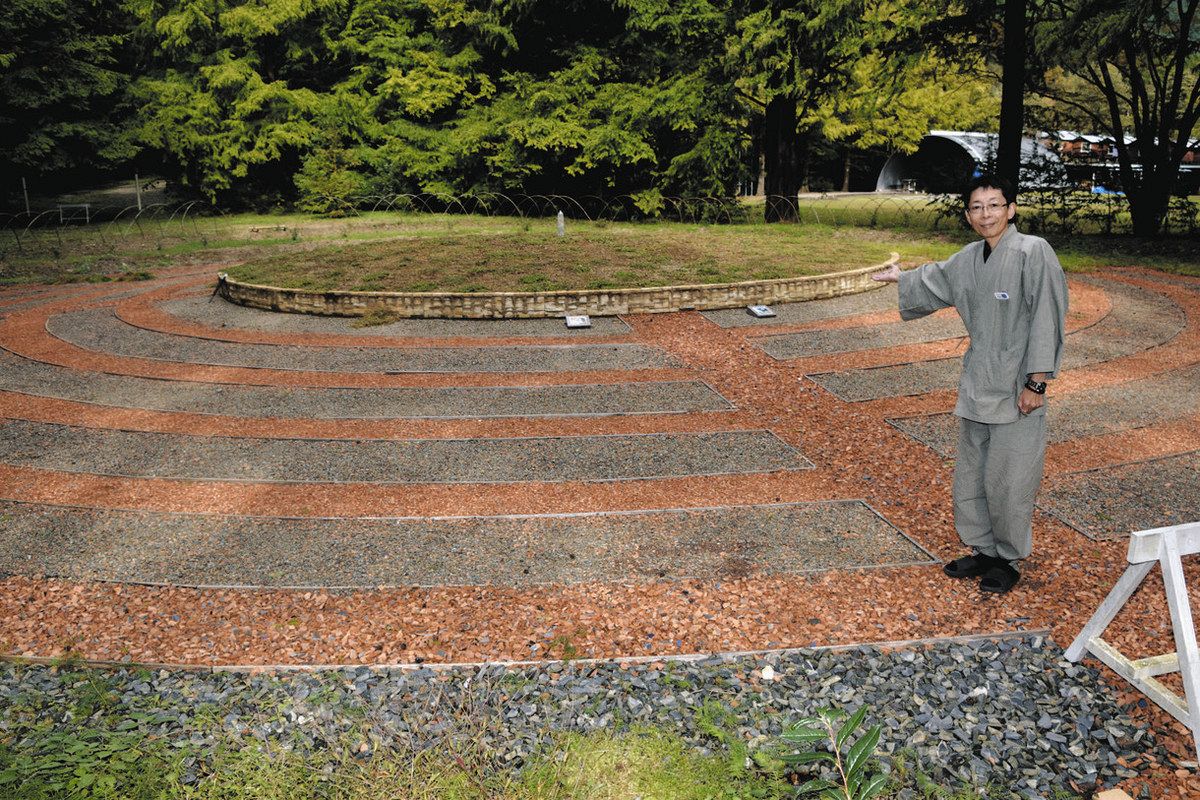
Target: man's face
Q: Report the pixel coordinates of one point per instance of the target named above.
(989, 213)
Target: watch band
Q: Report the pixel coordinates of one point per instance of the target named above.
(1037, 387)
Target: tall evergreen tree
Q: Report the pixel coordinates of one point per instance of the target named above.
(233, 91)
(1143, 58)
(62, 83)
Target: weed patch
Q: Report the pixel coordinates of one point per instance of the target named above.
(377, 315)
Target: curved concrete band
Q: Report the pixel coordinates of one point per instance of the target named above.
(526, 305)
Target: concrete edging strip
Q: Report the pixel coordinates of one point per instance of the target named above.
(905, 644)
(534, 305)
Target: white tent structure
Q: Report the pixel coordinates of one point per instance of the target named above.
(946, 160)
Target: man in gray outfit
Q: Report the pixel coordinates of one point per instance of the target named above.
(1011, 294)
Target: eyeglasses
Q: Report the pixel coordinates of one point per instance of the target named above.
(976, 209)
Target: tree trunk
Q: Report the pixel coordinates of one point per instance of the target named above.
(804, 159)
(846, 171)
(1012, 107)
(1148, 205)
(781, 162)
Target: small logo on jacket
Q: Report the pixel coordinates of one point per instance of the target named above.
(1001, 295)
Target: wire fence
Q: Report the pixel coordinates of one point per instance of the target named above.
(67, 232)
(83, 229)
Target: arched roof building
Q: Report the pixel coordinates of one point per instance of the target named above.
(945, 161)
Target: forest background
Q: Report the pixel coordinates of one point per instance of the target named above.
(301, 102)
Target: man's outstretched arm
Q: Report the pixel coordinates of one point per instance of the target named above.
(923, 290)
(889, 275)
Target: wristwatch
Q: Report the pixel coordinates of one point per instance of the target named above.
(1037, 387)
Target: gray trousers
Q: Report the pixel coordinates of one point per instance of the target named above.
(996, 476)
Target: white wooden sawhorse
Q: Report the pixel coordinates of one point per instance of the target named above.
(1167, 546)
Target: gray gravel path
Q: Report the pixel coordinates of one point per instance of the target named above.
(209, 549)
(100, 330)
(846, 340)
(1139, 320)
(882, 299)
(653, 397)
(1010, 716)
(8, 296)
(1181, 281)
(220, 313)
(875, 383)
(588, 458)
(1110, 503)
(1134, 404)
(8, 309)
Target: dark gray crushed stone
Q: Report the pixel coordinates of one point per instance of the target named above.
(593, 458)
(100, 330)
(210, 549)
(1010, 713)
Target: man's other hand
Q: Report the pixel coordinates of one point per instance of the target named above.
(1027, 401)
(889, 275)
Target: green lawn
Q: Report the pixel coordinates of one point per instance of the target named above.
(401, 251)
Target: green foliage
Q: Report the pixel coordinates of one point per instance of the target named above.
(235, 772)
(318, 103)
(91, 764)
(85, 764)
(802, 51)
(374, 316)
(1141, 61)
(853, 763)
(329, 183)
(61, 86)
(645, 762)
(894, 103)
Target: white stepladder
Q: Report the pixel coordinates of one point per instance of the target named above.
(1167, 546)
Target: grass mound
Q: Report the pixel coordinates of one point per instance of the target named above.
(590, 256)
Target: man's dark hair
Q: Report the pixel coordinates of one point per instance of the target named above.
(989, 181)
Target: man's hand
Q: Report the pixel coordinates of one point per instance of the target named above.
(1028, 401)
(889, 275)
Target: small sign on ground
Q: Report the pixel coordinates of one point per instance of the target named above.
(760, 311)
(579, 321)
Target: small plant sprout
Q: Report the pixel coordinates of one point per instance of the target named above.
(853, 769)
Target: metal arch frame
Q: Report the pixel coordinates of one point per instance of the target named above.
(556, 197)
(111, 223)
(153, 214)
(56, 228)
(1165, 546)
(10, 223)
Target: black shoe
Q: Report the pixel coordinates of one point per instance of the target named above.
(971, 566)
(999, 579)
